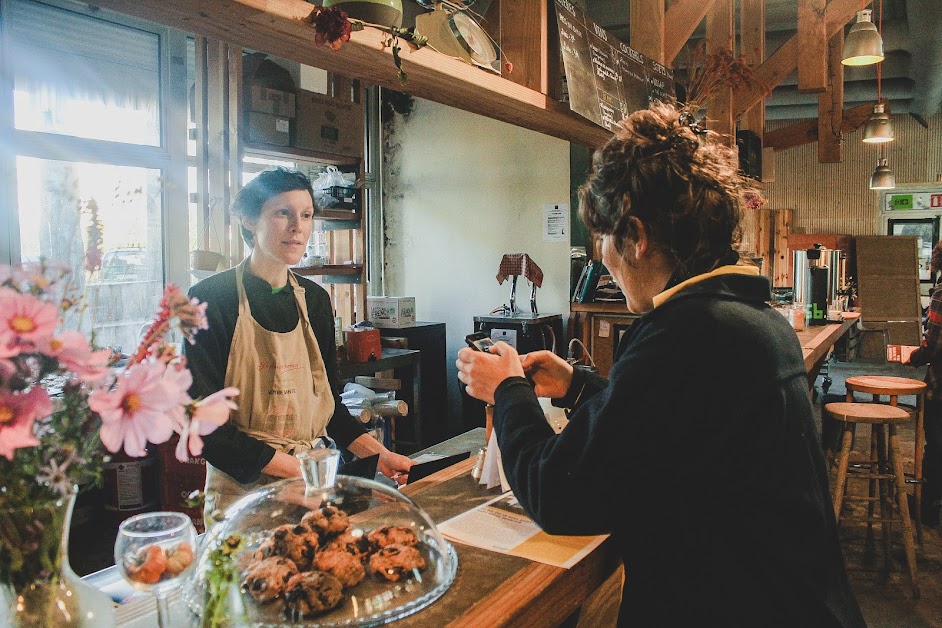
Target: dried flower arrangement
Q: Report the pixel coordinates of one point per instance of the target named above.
(707, 72)
(332, 27)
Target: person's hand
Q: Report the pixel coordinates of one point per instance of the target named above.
(551, 375)
(394, 466)
(481, 372)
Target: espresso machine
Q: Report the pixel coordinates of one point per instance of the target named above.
(818, 276)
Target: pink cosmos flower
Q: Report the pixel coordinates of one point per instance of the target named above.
(18, 411)
(177, 380)
(136, 411)
(208, 414)
(24, 317)
(74, 353)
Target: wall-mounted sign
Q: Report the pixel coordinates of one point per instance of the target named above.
(915, 200)
(606, 79)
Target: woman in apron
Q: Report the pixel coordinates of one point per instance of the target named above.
(271, 335)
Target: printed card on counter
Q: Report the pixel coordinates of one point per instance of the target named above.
(501, 525)
(899, 353)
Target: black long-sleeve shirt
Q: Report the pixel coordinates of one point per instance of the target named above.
(228, 448)
(700, 456)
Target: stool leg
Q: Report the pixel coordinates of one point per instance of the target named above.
(903, 507)
(886, 512)
(872, 485)
(839, 486)
(917, 461)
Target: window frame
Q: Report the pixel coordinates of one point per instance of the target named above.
(169, 157)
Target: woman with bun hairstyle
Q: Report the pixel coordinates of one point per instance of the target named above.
(699, 453)
(271, 334)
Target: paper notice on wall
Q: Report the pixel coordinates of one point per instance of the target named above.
(501, 525)
(556, 222)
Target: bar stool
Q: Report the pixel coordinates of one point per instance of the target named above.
(885, 465)
(894, 387)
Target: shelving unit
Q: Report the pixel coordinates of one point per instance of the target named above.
(280, 28)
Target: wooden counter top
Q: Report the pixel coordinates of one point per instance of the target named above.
(494, 589)
(817, 341)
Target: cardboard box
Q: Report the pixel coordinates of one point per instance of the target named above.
(271, 101)
(327, 124)
(268, 129)
(390, 311)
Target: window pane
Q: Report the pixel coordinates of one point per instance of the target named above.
(61, 207)
(81, 76)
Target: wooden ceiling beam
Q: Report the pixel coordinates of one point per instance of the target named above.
(278, 27)
(647, 28)
(813, 43)
(784, 61)
(680, 21)
(721, 35)
(831, 106)
(807, 132)
(752, 46)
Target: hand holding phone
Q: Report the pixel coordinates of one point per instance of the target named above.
(479, 341)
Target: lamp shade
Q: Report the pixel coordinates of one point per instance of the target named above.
(879, 128)
(863, 45)
(882, 177)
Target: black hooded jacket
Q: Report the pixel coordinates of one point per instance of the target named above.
(701, 457)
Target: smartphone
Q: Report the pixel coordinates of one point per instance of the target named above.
(479, 341)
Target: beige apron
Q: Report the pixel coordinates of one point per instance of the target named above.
(285, 398)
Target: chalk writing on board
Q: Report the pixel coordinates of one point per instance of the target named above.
(606, 79)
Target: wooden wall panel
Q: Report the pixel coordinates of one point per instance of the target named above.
(835, 198)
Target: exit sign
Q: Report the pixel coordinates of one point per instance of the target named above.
(902, 201)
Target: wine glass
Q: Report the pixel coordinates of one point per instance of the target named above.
(153, 552)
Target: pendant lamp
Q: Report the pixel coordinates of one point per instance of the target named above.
(879, 128)
(882, 177)
(863, 45)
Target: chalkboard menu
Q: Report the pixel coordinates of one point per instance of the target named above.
(606, 79)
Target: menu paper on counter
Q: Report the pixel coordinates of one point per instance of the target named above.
(501, 525)
(606, 79)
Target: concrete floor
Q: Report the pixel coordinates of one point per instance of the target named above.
(886, 598)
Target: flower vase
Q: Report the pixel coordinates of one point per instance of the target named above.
(37, 585)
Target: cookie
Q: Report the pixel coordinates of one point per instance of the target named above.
(395, 561)
(311, 593)
(266, 580)
(343, 566)
(297, 542)
(393, 535)
(327, 520)
(354, 542)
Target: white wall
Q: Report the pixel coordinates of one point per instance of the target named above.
(462, 190)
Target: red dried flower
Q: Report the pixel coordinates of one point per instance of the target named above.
(332, 27)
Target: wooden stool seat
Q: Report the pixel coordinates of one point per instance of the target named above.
(895, 387)
(866, 412)
(885, 385)
(883, 472)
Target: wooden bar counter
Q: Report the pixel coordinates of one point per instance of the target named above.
(816, 343)
(494, 589)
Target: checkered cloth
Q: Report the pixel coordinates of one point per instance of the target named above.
(519, 264)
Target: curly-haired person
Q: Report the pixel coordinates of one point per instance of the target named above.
(930, 352)
(699, 453)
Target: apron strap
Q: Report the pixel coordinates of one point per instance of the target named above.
(292, 446)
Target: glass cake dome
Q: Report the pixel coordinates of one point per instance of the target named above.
(328, 550)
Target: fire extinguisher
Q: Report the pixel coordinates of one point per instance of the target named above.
(130, 485)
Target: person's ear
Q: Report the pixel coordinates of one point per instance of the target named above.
(641, 243)
(249, 224)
